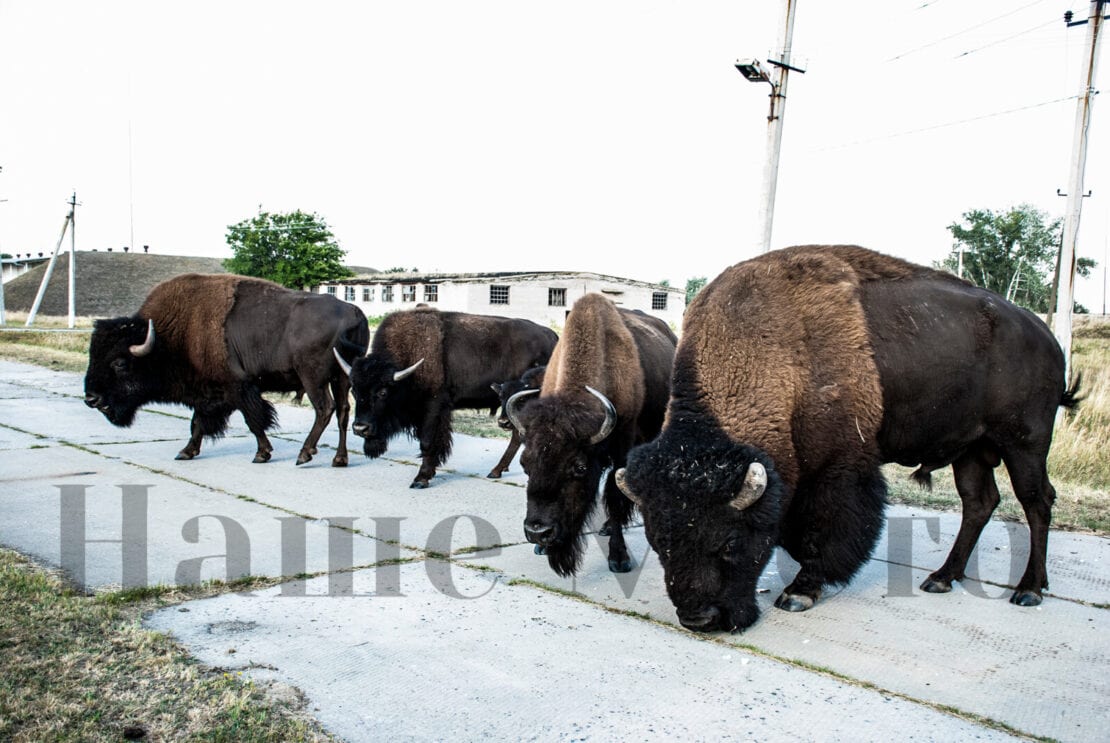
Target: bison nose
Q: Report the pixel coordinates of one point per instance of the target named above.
(93, 401)
(538, 532)
(361, 429)
(706, 619)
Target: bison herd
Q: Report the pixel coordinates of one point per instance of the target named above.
(798, 374)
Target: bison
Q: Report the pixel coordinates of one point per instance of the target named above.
(800, 372)
(424, 363)
(530, 380)
(605, 389)
(215, 343)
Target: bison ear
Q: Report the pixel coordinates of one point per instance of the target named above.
(147, 346)
(342, 364)
(398, 376)
(621, 478)
(755, 482)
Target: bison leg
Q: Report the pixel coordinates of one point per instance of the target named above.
(507, 457)
(831, 530)
(1029, 476)
(974, 474)
(205, 422)
(619, 511)
(324, 406)
(435, 442)
(259, 416)
(340, 387)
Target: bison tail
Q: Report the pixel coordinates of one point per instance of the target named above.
(258, 411)
(923, 477)
(1071, 399)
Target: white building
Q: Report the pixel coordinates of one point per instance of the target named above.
(545, 298)
(13, 267)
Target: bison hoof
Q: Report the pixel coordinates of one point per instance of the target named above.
(339, 461)
(304, 457)
(936, 585)
(262, 456)
(419, 484)
(1026, 598)
(183, 455)
(539, 549)
(620, 566)
(494, 475)
(605, 531)
(795, 602)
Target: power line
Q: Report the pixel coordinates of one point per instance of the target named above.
(1008, 38)
(966, 30)
(946, 125)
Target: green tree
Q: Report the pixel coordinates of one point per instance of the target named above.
(296, 250)
(693, 286)
(1012, 253)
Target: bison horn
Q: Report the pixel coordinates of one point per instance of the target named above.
(510, 409)
(610, 417)
(621, 478)
(398, 376)
(755, 482)
(342, 364)
(147, 345)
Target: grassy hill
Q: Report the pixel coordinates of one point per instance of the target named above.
(108, 284)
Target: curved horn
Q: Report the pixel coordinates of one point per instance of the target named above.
(510, 409)
(610, 417)
(398, 376)
(621, 479)
(755, 482)
(342, 364)
(148, 344)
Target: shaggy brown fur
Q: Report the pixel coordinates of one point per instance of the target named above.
(802, 380)
(191, 310)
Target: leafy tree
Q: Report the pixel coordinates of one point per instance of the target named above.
(693, 286)
(5, 255)
(1012, 253)
(296, 250)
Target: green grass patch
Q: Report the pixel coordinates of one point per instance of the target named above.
(82, 668)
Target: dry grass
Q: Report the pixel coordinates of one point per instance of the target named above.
(82, 668)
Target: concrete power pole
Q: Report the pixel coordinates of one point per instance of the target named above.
(1065, 296)
(779, 73)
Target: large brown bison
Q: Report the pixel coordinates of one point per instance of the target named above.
(424, 363)
(605, 390)
(800, 372)
(215, 343)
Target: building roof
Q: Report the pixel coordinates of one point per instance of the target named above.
(486, 277)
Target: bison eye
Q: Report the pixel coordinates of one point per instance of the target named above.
(730, 550)
(382, 393)
(119, 366)
(579, 469)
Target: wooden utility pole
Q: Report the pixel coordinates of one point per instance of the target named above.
(1065, 295)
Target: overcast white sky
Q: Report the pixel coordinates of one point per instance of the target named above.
(612, 135)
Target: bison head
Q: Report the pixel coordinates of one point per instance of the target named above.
(711, 512)
(381, 391)
(564, 455)
(530, 380)
(121, 375)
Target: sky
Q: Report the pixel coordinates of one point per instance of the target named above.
(612, 136)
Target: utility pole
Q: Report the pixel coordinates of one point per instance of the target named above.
(50, 268)
(777, 76)
(1065, 297)
(72, 260)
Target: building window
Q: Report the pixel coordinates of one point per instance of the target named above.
(499, 295)
(408, 293)
(431, 292)
(556, 297)
(387, 293)
(367, 294)
(659, 300)
(349, 293)
(331, 290)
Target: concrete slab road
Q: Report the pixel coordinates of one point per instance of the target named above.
(430, 618)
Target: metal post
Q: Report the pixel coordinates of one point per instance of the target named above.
(779, 75)
(72, 259)
(47, 274)
(1064, 298)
